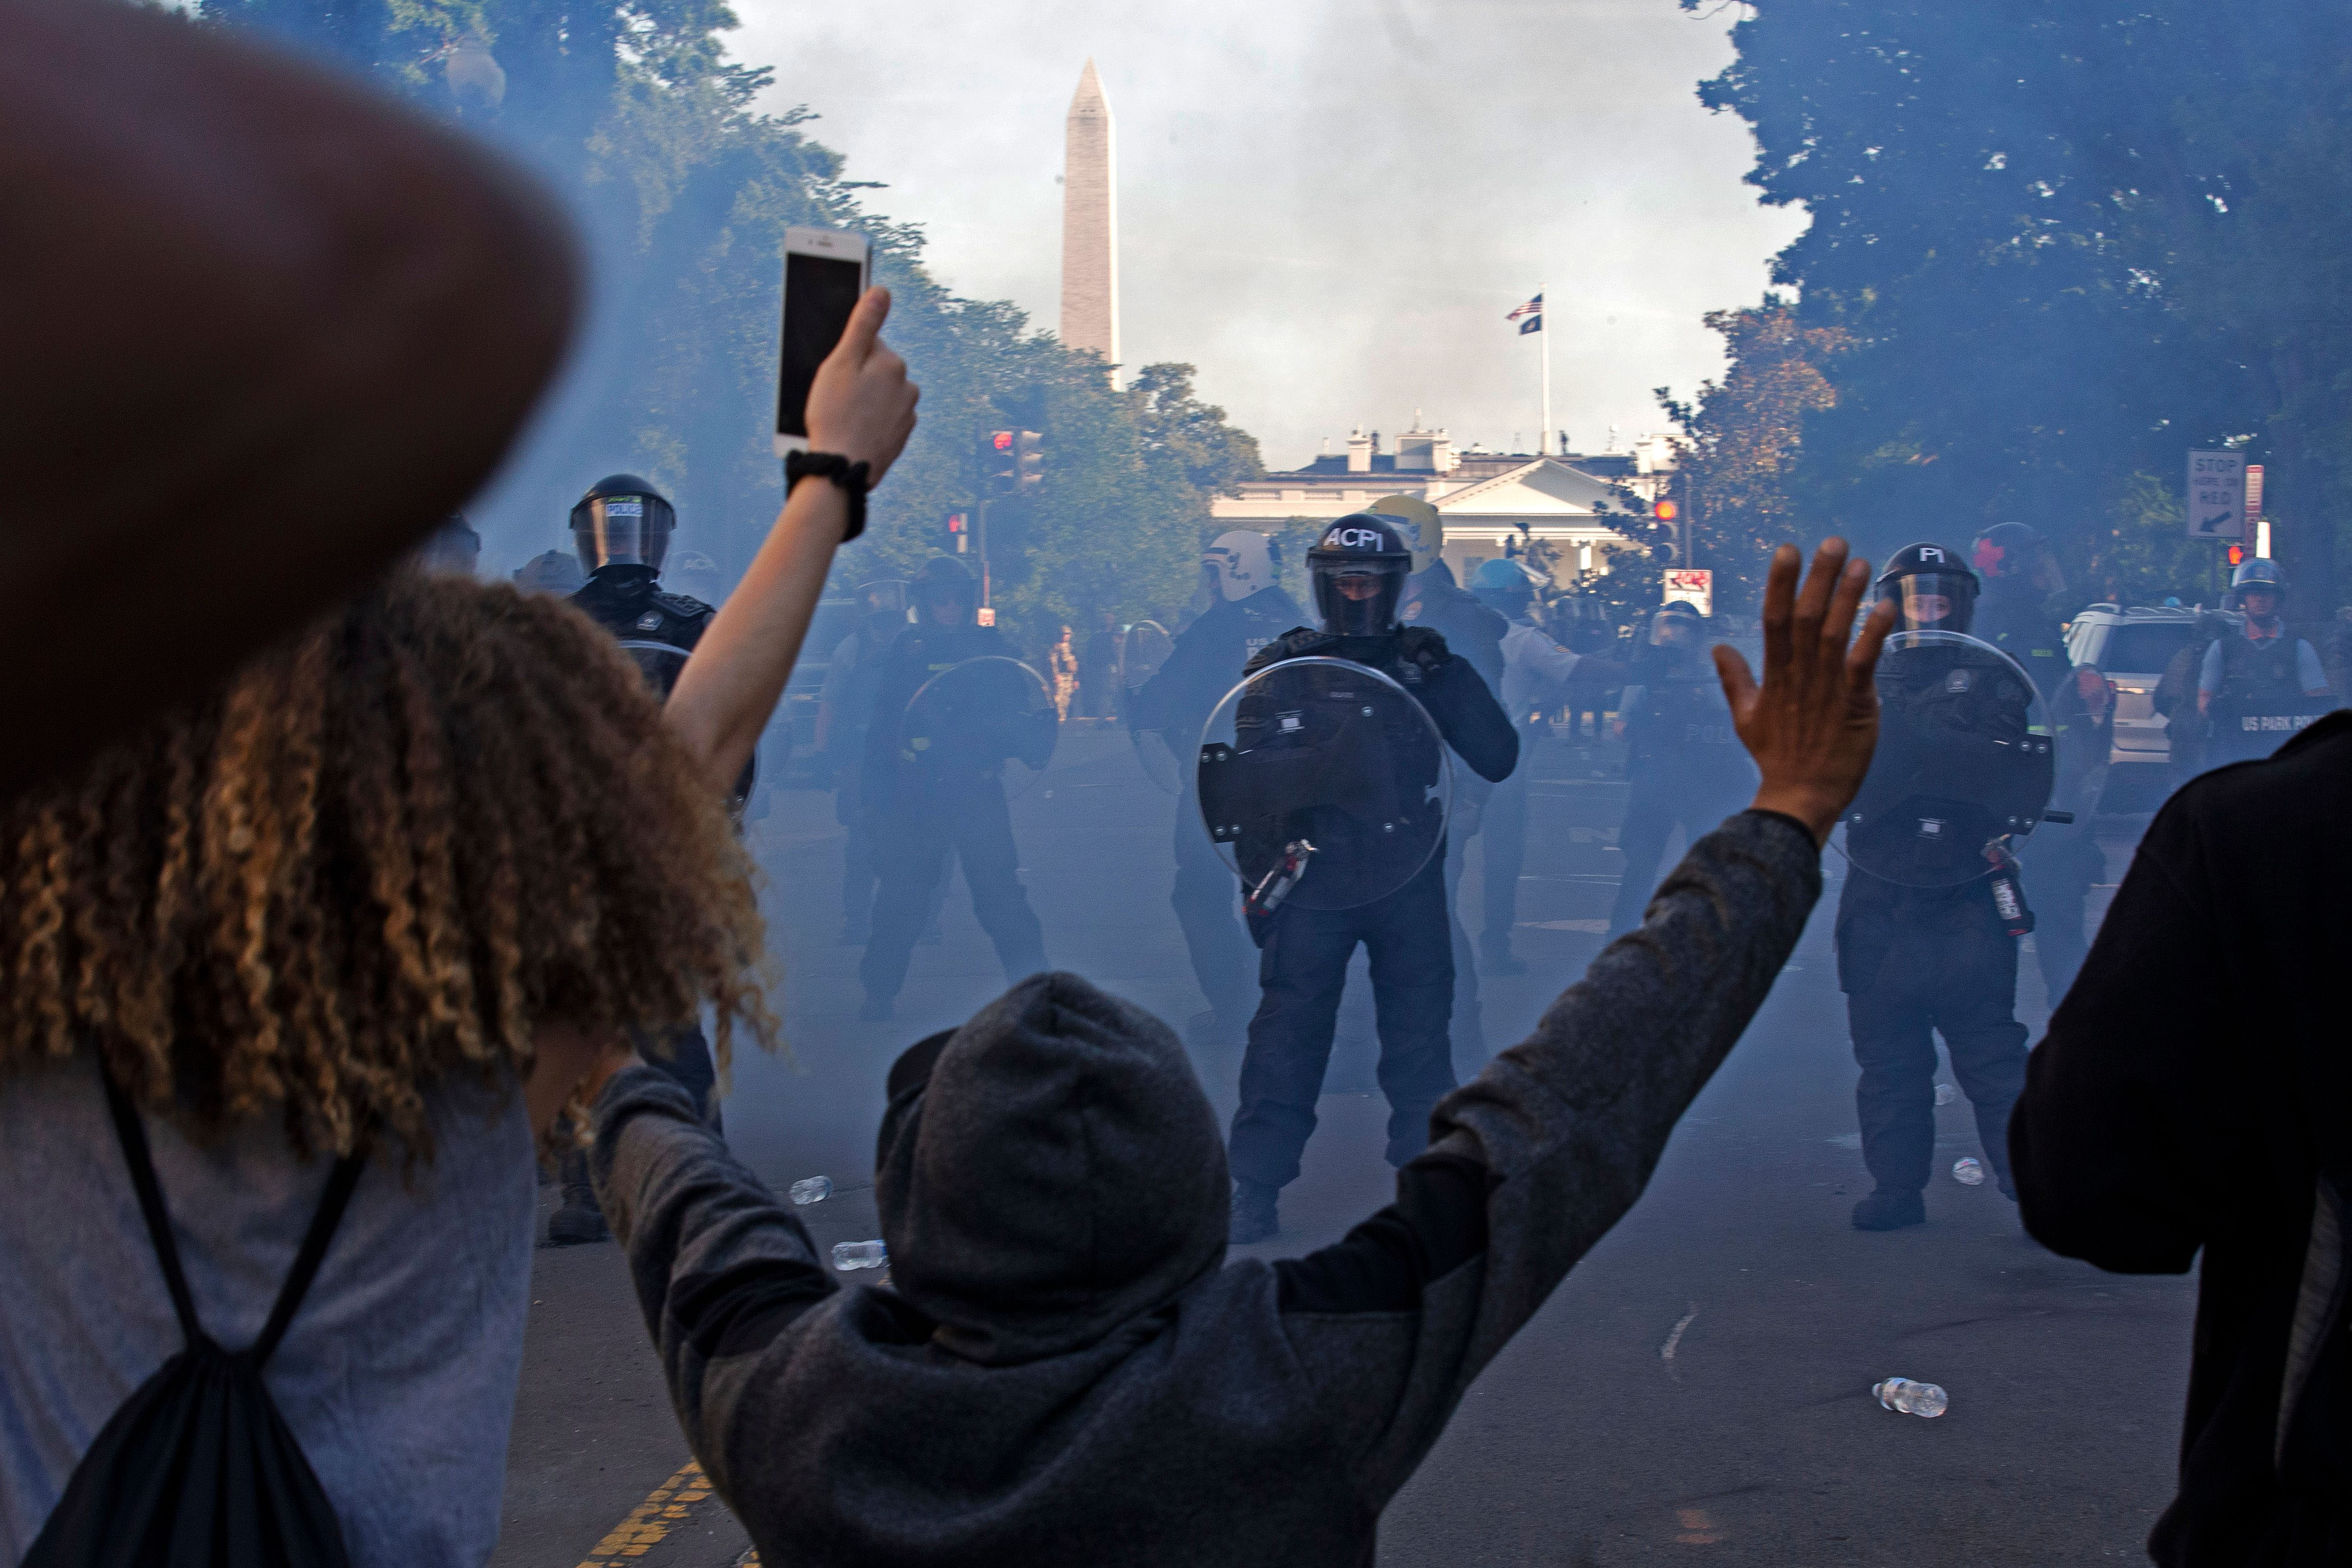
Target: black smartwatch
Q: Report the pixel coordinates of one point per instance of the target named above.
(833, 465)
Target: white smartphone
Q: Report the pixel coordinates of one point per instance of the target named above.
(824, 274)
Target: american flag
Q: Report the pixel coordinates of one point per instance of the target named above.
(1533, 311)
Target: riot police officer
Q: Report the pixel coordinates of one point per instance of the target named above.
(2260, 686)
(1932, 952)
(922, 804)
(853, 676)
(1535, 668)
(1358, 567)
(1684, 765)
(1248, 609)
(621, 532)
(2020, 576)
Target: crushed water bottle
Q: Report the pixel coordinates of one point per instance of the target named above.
(848, 1255)
(1968, 1172)
(812, 1189)
(1911, 1397)
(1946, 1094)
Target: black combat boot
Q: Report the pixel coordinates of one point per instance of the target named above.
(1254, 1218)
(579, 1221)
(1890, 1209)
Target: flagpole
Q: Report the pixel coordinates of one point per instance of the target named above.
(1543, 350)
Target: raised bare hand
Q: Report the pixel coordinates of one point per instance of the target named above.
(1812, 724)
(861, 403)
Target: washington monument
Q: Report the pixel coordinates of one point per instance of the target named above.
(1090, 224)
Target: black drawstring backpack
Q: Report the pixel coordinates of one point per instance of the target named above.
(197, 1469)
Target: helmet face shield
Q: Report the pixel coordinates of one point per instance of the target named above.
(622, 530)
(1933, 601)
(1673, 627)
(1237, 564)
(1358, 599)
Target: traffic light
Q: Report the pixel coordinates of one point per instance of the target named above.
(1028, 463)
(958, 541)
(1011, 465)
(1667, 515)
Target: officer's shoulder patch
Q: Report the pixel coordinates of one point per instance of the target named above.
(685, 605)
(1959, 680)
(650, 621)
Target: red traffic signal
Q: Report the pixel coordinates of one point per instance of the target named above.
(1665, 511)
(959, 533)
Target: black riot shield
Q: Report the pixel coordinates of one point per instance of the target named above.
(2250, 727)
(1324, 784)
(991, 715)
(1965, 762)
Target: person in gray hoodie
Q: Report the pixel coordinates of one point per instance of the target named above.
(1061, 1366)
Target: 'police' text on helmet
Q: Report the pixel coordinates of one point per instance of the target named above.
(1358, 567)
(622, 521)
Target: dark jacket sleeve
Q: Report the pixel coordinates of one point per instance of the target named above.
(720, 1269)
(1534, 1160)
(1192, 664)
(2111, 1143)
(1471, 719)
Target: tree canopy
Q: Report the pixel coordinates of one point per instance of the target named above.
(2062, 246)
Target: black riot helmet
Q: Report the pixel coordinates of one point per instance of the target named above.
(1676, 625)
(1930, 589)
(1358, 569)
(622, 521)
(2016, 552)
(943, 581)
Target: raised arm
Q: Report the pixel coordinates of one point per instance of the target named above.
(861, 406)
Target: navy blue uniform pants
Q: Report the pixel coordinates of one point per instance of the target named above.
(1206, 899)
(912, 840)
(1301, 972)
(1916, 965)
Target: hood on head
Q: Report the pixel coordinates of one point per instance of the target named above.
(1047, 1172)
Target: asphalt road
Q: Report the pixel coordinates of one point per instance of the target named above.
(1697, 1390)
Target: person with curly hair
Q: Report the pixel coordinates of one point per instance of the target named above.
(382, 899)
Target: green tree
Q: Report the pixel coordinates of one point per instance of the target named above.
(2068, 242)
(1740, 439)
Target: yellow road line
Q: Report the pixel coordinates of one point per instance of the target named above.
(665, 1508)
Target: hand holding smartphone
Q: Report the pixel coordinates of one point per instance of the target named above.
(825, 273)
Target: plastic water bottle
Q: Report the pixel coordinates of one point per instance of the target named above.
(1946, 1094)
(1968, 1172)
(1911, 1397)
(848, 1255)
(812, 1189)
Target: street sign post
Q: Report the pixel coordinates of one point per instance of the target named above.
(1693, 586)
(2217, 496)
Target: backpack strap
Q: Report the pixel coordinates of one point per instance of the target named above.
(314, 1251)
(132, 1135)
(133, 1139)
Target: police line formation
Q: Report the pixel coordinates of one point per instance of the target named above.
(1342, 766)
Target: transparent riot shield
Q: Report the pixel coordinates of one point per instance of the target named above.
(661, 662)
(1141, 652)
(1965, 763)
(992, 716)
(1323, 784)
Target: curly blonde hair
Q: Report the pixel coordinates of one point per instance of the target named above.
(443, 815)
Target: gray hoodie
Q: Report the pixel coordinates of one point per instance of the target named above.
(1064, 1369)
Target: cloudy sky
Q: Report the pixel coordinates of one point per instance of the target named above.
(1327, 206)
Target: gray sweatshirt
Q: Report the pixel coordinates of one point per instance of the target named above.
(1063, 1368)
